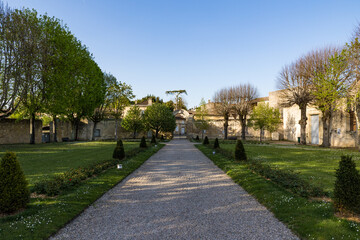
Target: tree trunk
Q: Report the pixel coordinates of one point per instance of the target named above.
(326, 131)
(243, 126)
(156, 133)
(94, 129)
(32, 136)
(261, 134)
(116, 126)
(226, 125)
(77, 123)
(55, 128)
(134, 134)
(302, 123)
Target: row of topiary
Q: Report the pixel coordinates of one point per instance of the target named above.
(347, 185)
(285, 178)
(14, 193)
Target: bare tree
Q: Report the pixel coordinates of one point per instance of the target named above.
(242, 97)
(295, 82)
(223, 106)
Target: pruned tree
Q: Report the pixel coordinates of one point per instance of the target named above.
(295, 81)
(223, 99)
(242, 97)
(133, 121)
(264, 118)
(102, 111)
(177, 98)
(159, 118)
(330, 85)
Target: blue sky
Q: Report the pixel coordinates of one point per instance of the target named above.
(201, 45)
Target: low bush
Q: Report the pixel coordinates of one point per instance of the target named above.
(240, 154)
(119, 152)
(143, 142)
(347, 186)
(197, 138)
(206, 140)
(14, 193)
(153, 140)
(54, 185)
(216, 144)
(287, 179)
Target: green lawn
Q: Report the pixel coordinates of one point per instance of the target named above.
(42, 160)
(307, 219)
(316, 165)
(45, 215)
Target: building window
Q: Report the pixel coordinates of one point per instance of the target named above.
(352, 121)
(97, 133)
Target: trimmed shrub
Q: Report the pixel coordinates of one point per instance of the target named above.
(143, 142)
(162, 138)
(216, 143)
(153, 140)
(14, 193)
(240, 153)
(206, 141)
(347, 186)
(119, 152)
(197, 138)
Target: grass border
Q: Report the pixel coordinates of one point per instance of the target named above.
(307, 219)
(45, 216)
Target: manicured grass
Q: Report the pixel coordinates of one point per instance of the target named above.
(43, 160)
(316, 165)
(308, 219)
(44, 216)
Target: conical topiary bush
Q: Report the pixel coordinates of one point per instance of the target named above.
(143, 142)
(119, 152)
(206, 141)
(153, 140)
(197, 138)
(14, 193)
(347, 186)
(240, 154)
(216, 143)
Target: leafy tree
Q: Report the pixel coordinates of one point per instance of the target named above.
(201, 121)
(223, 100)
(177, 98)
(330, 84)
(170, 104)
(118, 98)
(133, 121)
(153, 98)
(242, 96)
(264, 118)
(12, 89)
(158, 117)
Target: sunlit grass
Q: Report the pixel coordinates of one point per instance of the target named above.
(43, 160)
(316, 165)
(308, 219)
(44, 216)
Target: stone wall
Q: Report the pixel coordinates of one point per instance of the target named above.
(13, 131)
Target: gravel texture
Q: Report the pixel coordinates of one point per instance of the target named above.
(177, 194)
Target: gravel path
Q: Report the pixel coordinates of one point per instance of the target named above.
(177, 194)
